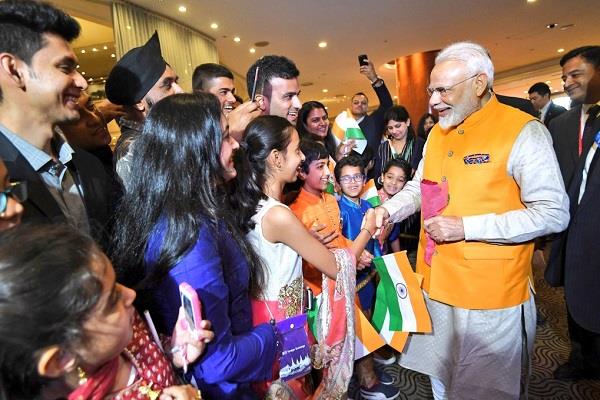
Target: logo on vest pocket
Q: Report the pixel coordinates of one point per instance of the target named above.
(479, 158)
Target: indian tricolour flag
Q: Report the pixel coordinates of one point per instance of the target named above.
(369, 193)
(366, 339)
(399, 305)
(345, 127)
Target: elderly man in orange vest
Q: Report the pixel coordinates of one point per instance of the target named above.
(504, 190)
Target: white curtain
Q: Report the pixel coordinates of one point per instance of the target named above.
(182, 47)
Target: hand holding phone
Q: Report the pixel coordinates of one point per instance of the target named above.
(363, 59)
(191, 305)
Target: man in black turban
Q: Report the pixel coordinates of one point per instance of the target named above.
(139, 79)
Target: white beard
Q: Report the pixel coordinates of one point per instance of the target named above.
(458, 113)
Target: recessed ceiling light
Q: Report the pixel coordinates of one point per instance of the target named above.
(94, 49)
(91, 79)
(561, 50)
(325, 90)
(237, 39)
(82, 51)
(77, 65)
(323, 45)
(214, 25)
(105, 47)
(82, 72)
(182, 9)
(112, 55)
(252, 50)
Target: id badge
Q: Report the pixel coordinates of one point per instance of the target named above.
(295, 353)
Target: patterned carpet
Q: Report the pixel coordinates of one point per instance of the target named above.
(551, 349)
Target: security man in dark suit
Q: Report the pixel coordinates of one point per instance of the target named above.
(575, 258)
(539, 95)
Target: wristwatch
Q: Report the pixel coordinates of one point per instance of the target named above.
(377, 82)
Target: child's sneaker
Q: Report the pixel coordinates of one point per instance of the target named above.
(384, 377)
(380, 391)
(384, 361)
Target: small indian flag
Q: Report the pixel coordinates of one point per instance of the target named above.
(330, 183)
(366, 339)
(345, 128)
(399, 305)
(369, 193)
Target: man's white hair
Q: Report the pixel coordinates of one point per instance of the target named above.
(475, 57)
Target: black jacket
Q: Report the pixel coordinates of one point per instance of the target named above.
(41, 207)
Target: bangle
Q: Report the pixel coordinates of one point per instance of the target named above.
(368, 231)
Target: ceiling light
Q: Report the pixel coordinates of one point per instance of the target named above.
(105, 47)
(77, 65)
(237, 39)
(525, 91)
(561, 50)
(252, 50)
(325, 90)
(91, 79)
(82, 72)
(112, 55)
(182, 9)
(531, 1)
(94, 49)
(323, 45)
(82, 51)
(214, 25)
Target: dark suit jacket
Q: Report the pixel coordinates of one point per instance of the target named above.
(372, 125)
(40, 206)
(517, 102)
(554, 110)
(564, 130)
(575, 258)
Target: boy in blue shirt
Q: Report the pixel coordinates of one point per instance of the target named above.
(350, 175)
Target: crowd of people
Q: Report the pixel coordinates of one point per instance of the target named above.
(259, 207)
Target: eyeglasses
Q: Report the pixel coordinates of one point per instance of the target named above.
(443, 91)
(16, 190)
(352, 178)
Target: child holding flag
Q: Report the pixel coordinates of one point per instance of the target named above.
(358, 197)
(318, 209)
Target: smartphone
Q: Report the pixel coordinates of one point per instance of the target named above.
(363, 60)
(191, 305)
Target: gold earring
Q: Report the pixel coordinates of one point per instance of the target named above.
(82, 376)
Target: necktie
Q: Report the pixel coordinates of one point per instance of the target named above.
(588, 135)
